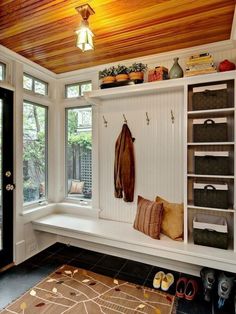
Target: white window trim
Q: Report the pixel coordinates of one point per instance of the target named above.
(81, 202)
(80, 83)
(37, 204)
(39, 80)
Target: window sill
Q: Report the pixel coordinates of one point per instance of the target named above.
(36, 208)
(77, 208)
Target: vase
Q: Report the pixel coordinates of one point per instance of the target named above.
(176, 71)
(122, 77)
(136, 75)
(108, 79)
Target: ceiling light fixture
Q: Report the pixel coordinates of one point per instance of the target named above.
(84, 39)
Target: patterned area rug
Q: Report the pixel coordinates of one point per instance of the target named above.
(73, 290)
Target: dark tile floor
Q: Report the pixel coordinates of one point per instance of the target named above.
(18, 279)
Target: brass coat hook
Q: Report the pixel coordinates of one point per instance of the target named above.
(172, 116)
(125, 120)
(147, 118)
(105, 122)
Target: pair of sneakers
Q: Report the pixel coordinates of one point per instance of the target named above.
(186, 288)
(225, 285)
(163, 281)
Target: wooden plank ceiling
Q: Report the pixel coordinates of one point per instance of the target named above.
(43, 30)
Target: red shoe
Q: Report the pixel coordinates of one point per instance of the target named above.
(181, 287)
(191, 290)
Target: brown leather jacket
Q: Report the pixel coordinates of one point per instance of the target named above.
(124, 170)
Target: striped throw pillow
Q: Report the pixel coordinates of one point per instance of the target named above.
(148, 217)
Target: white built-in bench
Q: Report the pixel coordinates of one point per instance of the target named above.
(119, 238)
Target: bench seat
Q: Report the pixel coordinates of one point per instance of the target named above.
(122, 236)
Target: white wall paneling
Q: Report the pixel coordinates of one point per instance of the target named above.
(157, 146)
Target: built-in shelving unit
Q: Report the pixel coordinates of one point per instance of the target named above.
(206, 151)
(189, 115)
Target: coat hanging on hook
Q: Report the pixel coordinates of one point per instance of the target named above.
(124, 168)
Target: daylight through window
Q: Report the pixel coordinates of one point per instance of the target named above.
(2, 71)
(77, 89)
(35, 85)
(79, 153)
(34, 152)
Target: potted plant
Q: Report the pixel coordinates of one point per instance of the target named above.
(136, 71)
(107, 75)
(121, 72)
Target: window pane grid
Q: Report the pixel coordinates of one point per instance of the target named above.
(2, 71)
(77, 89)
(35, 85)
(79, 153)
(34, 152)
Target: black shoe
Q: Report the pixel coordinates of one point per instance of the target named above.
(225, 285)
(208, 279)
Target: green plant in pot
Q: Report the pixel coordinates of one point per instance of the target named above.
(107, 75)
(121, 72)
(136, 71)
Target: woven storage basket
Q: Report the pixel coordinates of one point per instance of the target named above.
(210, 130)
(211, 195)
(212, 163)
(210, 231)
(210, 99)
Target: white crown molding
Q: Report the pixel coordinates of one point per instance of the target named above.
(155, 58)
(6, 53)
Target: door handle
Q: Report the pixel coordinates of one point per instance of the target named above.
(10, 187)
(8, 174)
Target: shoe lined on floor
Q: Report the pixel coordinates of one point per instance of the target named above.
(181, 286)
(167, 281)
(191, 290)
(208, 279)
(158, 279)
(225, 285)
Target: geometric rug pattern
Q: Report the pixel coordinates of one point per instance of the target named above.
(72, 290)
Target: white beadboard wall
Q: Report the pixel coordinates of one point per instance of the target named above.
(158, 150)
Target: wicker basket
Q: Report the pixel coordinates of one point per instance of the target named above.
(211, 195)
(210, 231)
(210, 99)
(210, 130)
(212, 163)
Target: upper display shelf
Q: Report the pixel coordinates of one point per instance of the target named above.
(155, 87)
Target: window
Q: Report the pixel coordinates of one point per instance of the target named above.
(2, 71)
(35, 85)
(77, 89)
(34, 152)
(79, 153)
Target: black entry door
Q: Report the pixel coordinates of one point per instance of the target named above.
(6, 177)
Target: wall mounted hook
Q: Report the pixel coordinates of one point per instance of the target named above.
(125, 120)
(147, 118)
(172, 116)
(105, 122)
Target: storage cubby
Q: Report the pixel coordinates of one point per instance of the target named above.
(194, 150)
(229, 216)
(217, 182)
(210, 163)
(223, 120)
(210, 90)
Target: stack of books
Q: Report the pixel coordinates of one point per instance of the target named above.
(200, 64)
